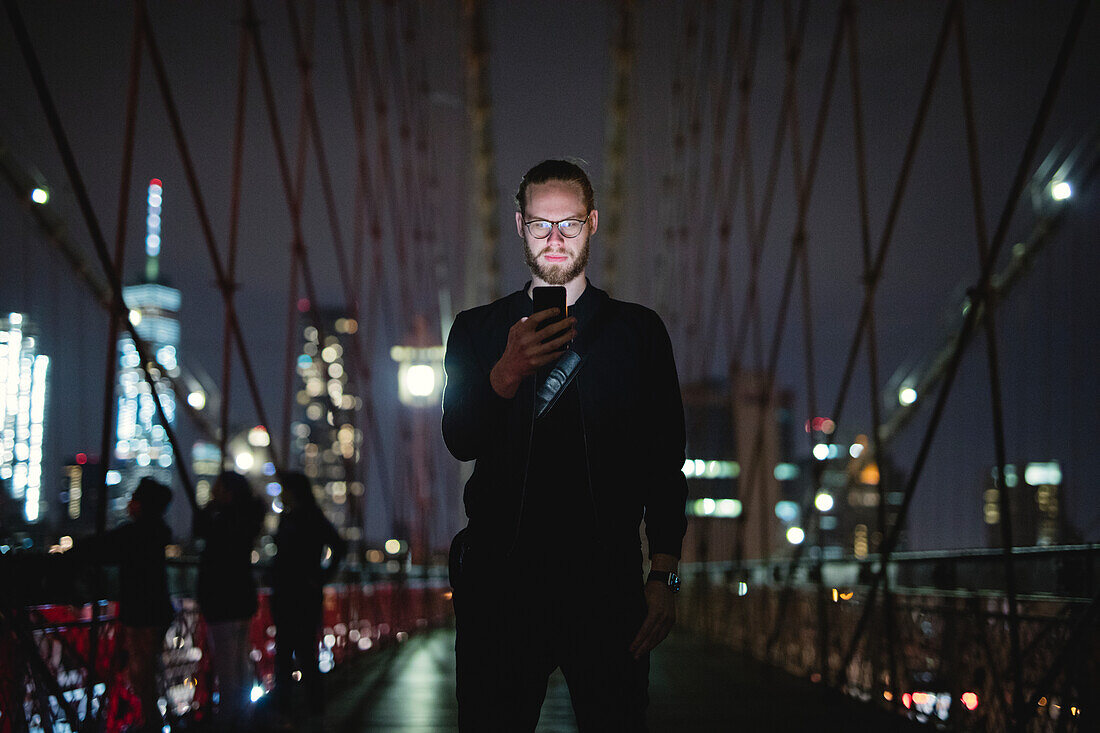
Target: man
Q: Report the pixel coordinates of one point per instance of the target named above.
(548, 571)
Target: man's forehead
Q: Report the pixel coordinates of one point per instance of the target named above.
(556, 194)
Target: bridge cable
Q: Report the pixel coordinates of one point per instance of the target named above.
(223, 282)
(758, 226)
(622, 68)
(91, 220)
(234, 220)
(364, 193)
(740, 167)
(312, 124)
(703, 209)
(804, 181)
(107, 431)
(755, 466)
(481, 273)
(688, 243)
(666, 217)
(979, 293)
(994, 371)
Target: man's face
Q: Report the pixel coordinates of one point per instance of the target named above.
(556, 260)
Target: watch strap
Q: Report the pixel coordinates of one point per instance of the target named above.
(671, 579)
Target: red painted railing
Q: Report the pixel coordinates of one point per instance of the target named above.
(357, 618)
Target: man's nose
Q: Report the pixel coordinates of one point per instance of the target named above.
(556, 235)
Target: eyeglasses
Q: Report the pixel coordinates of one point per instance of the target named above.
(569, 228)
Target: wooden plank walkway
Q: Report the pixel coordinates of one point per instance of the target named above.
(694, 687)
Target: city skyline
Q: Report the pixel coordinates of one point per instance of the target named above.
(1045, 324)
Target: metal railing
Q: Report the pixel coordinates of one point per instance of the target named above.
(45, 648)
(938, 650)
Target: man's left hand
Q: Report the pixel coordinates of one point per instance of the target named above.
(659, 620)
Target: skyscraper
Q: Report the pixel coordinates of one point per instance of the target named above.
(326, 440)
(23, 390)
(142, 447)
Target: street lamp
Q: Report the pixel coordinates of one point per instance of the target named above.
(419, 385)
(419, 374)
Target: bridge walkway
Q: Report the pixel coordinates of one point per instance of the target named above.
(694, 687)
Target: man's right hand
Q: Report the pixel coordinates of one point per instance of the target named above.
(525, 352)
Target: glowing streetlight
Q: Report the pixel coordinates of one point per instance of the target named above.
(1060, 190)
(907, 396)
(40, 196)
(823, 502)
(795, 535)
(420, 380)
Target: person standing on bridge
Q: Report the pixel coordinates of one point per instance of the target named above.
(309, 553)
(547, 573)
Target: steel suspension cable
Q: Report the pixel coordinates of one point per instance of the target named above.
(148, 362)
(622, 65)
(223, 282)
(703, 210)
(351, 305)
(666, 216)
(758, 227)
(364, 193)
(481, 273)
(292, 193)
(740, 165)
(688, 236)
(875, 449)
(687, 183)
(107, 430)
(755, 466)
(979, 292)
(804, 182)
(437, 272)
(293, 312)
(234, 221)
(994, 372)
(91, 220)
(411, 191)
(373, 79)
(911, 146)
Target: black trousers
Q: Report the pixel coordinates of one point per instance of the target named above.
(513, 633)
(297, 620)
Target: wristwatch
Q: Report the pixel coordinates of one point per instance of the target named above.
(672, 580)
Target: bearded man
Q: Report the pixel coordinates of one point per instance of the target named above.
(548, 572)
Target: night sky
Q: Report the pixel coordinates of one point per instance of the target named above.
(550, 79)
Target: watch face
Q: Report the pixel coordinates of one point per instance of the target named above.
(674, 582)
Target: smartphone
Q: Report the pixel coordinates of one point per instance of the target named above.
(549, 296)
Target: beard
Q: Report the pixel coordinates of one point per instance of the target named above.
(555, 274)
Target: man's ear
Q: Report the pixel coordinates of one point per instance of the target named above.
(593, 221)
(519, 224)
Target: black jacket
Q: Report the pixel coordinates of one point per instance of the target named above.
(226, 586)
(631, 412)
(137, 548)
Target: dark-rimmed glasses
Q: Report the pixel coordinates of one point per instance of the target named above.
(569, 228)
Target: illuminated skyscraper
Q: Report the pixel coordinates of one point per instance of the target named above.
(326, 440)
(142, 447)
(23, 375)
(1035, 492)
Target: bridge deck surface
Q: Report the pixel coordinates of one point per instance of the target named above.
(694, 686)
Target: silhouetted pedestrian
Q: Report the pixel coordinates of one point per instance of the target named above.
(299, 574)
(229, 525)
(144, 608)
